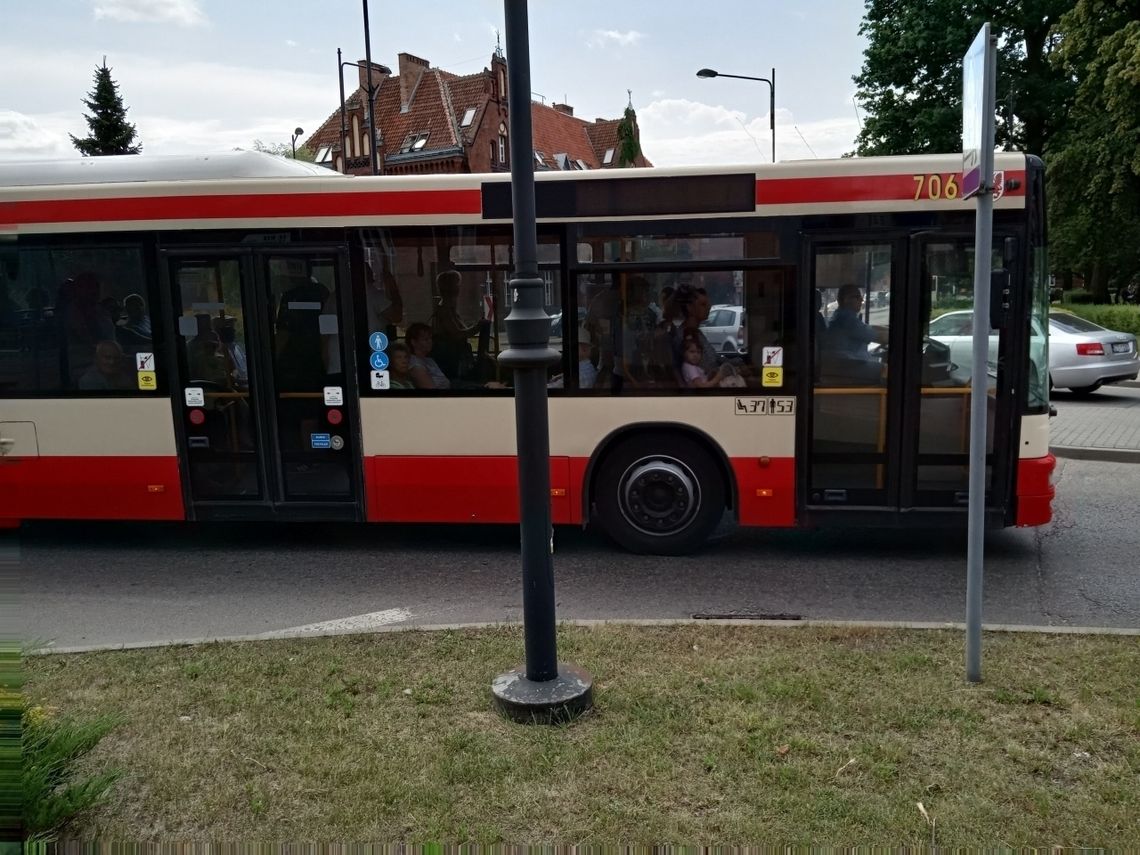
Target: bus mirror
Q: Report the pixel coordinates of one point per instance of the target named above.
(999, 298)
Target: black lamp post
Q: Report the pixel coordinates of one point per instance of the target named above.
(545, 690)
(771, 81)
(370, 89)
(297, 132)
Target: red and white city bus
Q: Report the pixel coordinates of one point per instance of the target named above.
(245, 338)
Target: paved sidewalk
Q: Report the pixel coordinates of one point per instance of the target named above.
(1104, 426)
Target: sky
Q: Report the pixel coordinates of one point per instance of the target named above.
(204, 76)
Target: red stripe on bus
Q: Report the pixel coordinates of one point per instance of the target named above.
(485, 489)
(244, 207)
(861, 188)
(91, 488)
(457, 489)
(1035, 490)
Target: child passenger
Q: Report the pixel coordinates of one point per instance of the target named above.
(691, 372)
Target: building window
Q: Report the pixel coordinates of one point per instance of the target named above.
(581, 164)
(538, 159)
(414, 142)
(324, 154)
(502, 148)
(468, 118)
(609, 157)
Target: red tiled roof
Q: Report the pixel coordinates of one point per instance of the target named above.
(438, 103)
(555, 132)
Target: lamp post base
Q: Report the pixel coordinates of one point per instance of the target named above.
(562, 699)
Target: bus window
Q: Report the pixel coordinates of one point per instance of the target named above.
(72, 320)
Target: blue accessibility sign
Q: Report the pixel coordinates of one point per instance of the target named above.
(378, 361)
(378, 341)
(320, 440)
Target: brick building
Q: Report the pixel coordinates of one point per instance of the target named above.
(433, 121)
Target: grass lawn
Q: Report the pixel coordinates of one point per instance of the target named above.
(701, 734)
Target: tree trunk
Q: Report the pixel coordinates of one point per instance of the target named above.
(1099, 285)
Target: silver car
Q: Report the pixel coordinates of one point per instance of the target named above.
(1082, 355)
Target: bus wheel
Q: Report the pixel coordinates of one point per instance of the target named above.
(660, 494)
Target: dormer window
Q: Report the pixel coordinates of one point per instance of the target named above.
(562, 159)
(414, 142)
(324, 154)
(581, 164)
(609, 157)
(539, 158)
(468, 118)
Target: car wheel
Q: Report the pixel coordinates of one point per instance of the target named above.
(1084, 391)
(729, 348)
(659, 494)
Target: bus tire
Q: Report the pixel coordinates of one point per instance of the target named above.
(659, 494)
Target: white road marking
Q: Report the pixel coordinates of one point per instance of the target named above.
(356, 623)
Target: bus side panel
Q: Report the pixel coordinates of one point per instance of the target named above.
(456, 489)
(91, 488)
(99, 458)
(766, 491)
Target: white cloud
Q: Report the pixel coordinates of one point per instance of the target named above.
(458, 38)
(290, 43)
(165, 103)
(678, 132)
(26, 137)
(604, 38)
(185, 13)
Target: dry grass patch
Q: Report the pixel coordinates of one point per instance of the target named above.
(728, 735)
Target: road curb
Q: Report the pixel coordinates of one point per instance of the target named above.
(1106, 455)
(283, 635)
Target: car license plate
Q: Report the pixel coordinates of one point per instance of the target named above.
(1122, 347)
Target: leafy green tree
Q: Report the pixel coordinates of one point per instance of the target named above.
(628, 146)
(284, 150)
(109, 132)
(910, 85)
(1094, 165)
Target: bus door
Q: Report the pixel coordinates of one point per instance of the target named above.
(266, 399)
(889, 432)
(938, 376)
(853, 431)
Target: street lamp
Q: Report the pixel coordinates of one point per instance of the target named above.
(708, 72)
(383, 69)
(297, 132)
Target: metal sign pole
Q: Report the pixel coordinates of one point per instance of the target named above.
(979, 67)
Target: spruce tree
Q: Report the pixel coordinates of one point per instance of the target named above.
(109, 130)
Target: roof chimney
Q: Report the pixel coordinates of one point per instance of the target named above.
(378, 76)
(412, 69)
(564, 108)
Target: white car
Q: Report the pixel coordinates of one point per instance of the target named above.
(725, 329)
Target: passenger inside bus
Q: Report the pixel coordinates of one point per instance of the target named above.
(134, 334)
(424, 371)
(400, 366)
(452, 337)
(108, 369)
(587, 373)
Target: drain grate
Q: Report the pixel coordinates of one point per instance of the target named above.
(745, 616)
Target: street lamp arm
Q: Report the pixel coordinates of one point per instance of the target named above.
(744, 77)
(706, 73)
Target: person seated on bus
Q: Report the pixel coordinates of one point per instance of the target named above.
(587, 373)
(848, 337)
(692, 372)
(108, 370)
(400, 366)
(424, 371)
(206, 361)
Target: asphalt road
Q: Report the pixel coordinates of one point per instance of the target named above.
(87, 584)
